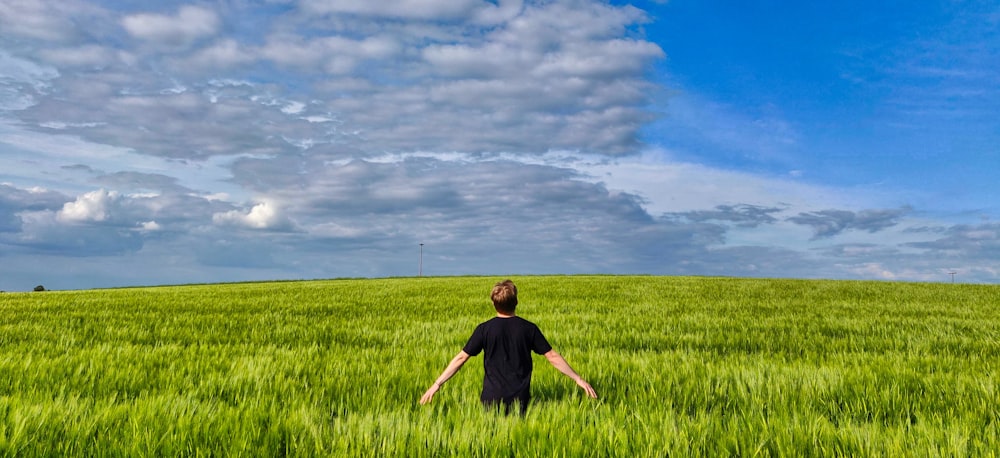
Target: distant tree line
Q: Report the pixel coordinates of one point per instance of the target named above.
(37, 288)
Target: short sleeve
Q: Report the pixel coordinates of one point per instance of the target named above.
(538, 342)
(476, 343)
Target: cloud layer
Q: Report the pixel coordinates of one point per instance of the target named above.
(304, 139)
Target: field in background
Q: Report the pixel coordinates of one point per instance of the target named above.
(684, 366)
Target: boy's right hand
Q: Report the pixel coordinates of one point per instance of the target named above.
(586, 387)
(429, 394)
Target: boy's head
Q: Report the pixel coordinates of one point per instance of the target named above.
(504, 296)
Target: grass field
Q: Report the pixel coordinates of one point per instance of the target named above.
(684, 366)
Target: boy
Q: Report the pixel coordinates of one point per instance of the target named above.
(508, 341)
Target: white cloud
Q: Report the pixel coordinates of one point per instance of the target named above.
(881, 271)
(601, 59)
(149, 226)
(318, 118)
(489, 60)
(92, 206)
(189, 24)
(57, 125)
(334, 54)
(89, 55)
(71, 162)
(224, 53)
(334, 230)
(531, 93)
(12, 99)
(266, 214)
(45, 20)
(21, 71)
(504, 10)
(412, 9)
(668, 186)
(293, 108)
(223, 197)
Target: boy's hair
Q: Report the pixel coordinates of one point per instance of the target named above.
(504, 296)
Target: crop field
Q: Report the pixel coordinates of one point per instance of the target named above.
(684, 367)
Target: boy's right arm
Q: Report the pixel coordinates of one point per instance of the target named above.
(453, 367)
(562, 366)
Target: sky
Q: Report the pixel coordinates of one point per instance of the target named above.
(154, 143)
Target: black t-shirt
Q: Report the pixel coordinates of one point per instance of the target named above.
(508, 343)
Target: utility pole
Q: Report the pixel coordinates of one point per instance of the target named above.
(952, 276)
(420, 271)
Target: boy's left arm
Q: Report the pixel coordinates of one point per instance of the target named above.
(453, 367)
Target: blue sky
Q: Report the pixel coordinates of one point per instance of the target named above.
(892, 95)
(180, 142)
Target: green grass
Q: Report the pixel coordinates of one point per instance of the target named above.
(684, 366)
